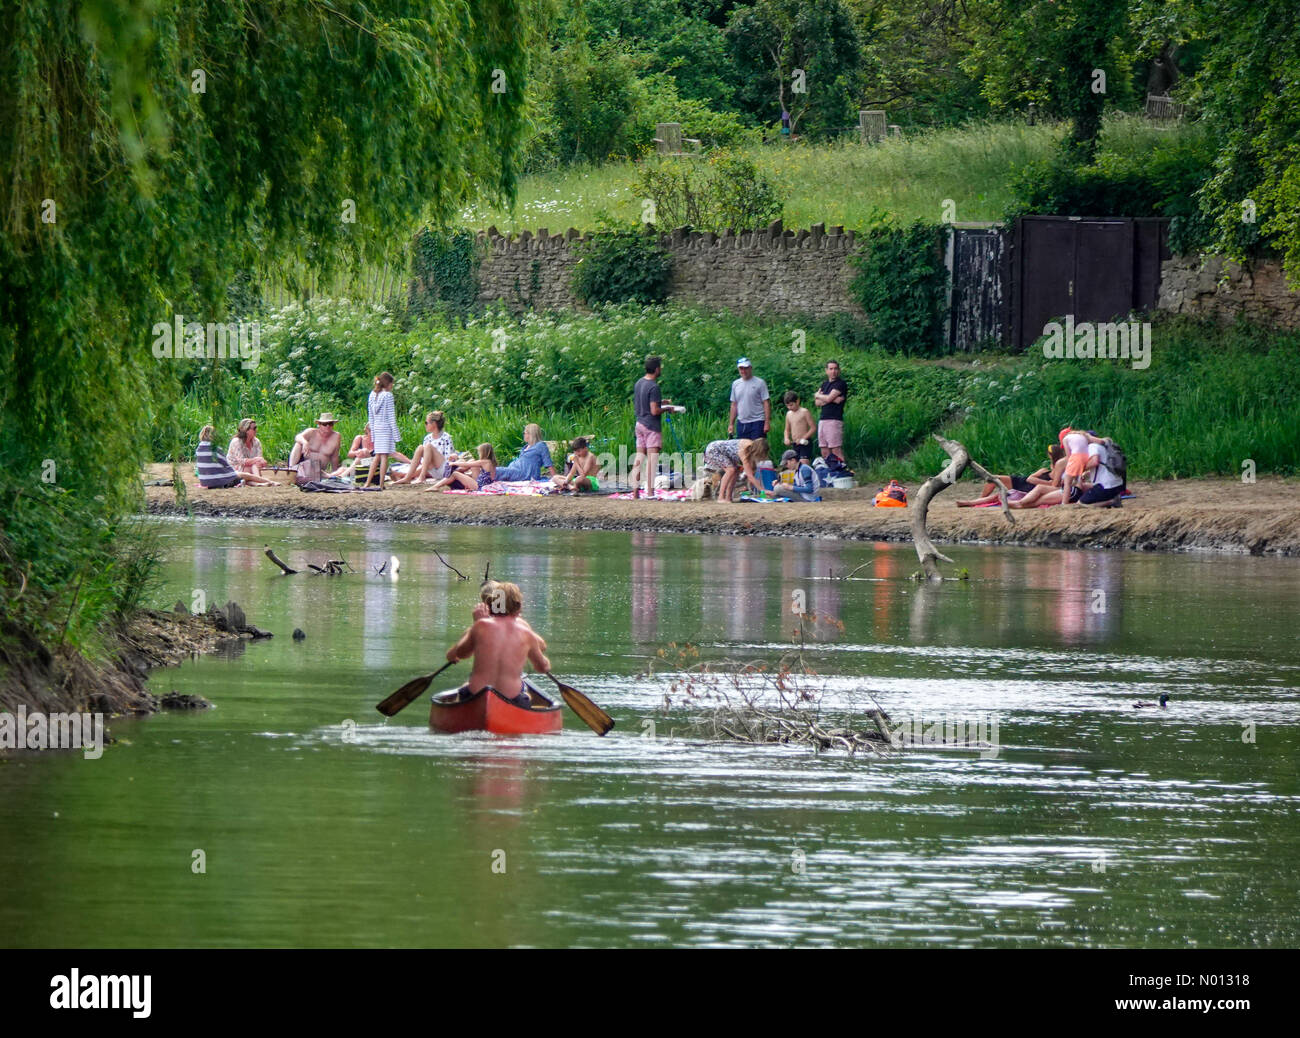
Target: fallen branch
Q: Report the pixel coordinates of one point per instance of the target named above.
(279, 562)
(961, 460)
(458, 573)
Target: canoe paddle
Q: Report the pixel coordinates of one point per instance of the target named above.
(593, 716)
(410, 692)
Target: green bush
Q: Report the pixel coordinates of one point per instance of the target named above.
(621, 267)
(1155, 182)
(901, 283)
(726, 191)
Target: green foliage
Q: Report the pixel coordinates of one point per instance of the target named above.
(621, 267)
(770, 39)
(901, 283)
(166, 184)
(727, 191)
(445, 266)
(843, 183)
(1249, 89)
(1160, 181)
(1211, 398)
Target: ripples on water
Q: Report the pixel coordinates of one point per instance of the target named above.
(1094, 824)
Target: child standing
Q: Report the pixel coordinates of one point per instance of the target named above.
(799, 426)
(383, 424)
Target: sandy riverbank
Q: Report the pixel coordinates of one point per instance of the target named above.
(1173, 515)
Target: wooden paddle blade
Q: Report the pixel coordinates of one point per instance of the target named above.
(405, 696)
(592, 716)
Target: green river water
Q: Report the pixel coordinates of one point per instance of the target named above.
(322, 824)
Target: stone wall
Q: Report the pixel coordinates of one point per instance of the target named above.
(771, 270)
(1214, 287)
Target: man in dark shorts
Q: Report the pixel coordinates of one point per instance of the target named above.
(751, 405)
(830, 398)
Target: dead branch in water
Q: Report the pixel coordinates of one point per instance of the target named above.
(961, 460)
(286, 569)
(459, 574)
(752, 703)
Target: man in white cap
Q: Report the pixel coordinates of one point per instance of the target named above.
(751, 406)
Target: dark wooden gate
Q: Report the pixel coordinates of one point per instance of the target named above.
(977, 307)
(1098, 269)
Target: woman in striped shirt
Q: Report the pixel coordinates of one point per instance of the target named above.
(214, 471)
(383, 425)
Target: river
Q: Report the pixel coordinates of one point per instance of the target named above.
(293, 814)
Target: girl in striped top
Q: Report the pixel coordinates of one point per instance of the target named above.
(383, 425)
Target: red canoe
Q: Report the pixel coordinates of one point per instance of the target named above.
(460, 710)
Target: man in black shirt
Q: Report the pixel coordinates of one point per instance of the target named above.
(830, 398)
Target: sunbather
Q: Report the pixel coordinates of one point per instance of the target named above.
(1024, 484)
(433, 457)
(245, 453)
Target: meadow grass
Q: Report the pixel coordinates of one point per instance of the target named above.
(843, 182)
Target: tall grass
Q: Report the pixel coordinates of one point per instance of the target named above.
(1211, 398)
(842, 182)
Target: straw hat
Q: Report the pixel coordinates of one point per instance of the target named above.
(327, 417)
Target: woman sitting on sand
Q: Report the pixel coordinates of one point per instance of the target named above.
(533, 460)
(214, 470)
(1024, 484)
(245, 452)
(433, 457)
(731, 457)
(471, 473)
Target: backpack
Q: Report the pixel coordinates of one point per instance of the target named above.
(892, 496)
(1113, 458)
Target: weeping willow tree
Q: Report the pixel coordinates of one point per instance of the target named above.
(149, 151)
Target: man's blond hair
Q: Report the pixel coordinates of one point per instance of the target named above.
(502, 597)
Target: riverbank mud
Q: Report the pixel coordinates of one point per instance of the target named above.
(1225, 515)
(63, 680)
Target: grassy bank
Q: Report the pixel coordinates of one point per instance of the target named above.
(1211, 398)
(845, 182)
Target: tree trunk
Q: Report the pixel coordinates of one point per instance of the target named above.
(961, 460)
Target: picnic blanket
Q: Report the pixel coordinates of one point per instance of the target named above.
(658, 495)
(526, 487)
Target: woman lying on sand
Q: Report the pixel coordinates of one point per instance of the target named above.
(1043, 477)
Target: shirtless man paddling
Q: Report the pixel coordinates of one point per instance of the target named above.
(500, 640)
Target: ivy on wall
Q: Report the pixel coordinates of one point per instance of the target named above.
(446, 264)
(901, 283)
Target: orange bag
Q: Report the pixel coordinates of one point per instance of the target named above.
(892, 496)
